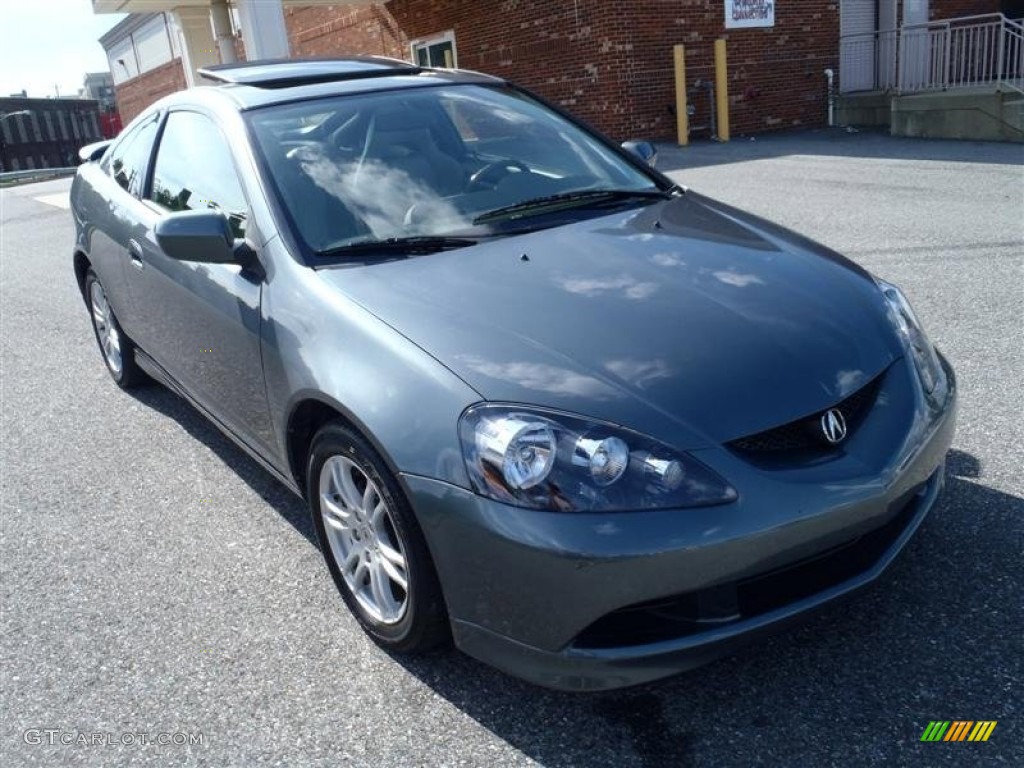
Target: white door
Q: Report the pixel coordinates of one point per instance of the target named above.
(857, 51)
(888, 33)
(916, 47)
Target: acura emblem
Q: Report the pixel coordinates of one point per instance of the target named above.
(833, 426)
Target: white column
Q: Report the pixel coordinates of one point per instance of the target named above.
(263, 30)
(198, 48)
(220, 14)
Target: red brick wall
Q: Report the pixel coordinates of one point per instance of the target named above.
(611, 63)
(570, 52)
(776, 74)
(332, 31)
(138, 93)
(951, 9)
(608, 62)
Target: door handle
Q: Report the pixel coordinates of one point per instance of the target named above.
(135, 254)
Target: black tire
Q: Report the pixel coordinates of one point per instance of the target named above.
(127, 374)
(423, 623)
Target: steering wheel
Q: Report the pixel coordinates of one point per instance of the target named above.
(492, 173)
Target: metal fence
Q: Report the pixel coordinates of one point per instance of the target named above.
(936, 55)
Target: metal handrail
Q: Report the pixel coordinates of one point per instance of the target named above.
(983, 49)
(939, 22)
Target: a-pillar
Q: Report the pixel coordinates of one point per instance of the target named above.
(198, 48)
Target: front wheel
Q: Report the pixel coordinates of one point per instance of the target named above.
(117, 349)
(372, 543)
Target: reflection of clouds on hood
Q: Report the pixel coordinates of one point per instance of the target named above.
(740, 280)
(592, 287)
(542, 377)
(667, 259)
(382, 196)
(848, 381)
(639, 373)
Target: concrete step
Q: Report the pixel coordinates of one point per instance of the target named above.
(864, 110)
(987, 115)
(985, 112)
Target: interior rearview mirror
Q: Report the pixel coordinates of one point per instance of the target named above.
(643, 150)
(202, 236)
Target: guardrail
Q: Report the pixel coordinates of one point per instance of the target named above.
(935, 55)
(35, 174)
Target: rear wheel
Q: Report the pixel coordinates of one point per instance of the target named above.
(372, 543)
(117, 349)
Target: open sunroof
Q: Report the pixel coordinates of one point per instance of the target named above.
(284, 73)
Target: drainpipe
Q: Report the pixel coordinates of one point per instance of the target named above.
(829, 76)
(221, 16)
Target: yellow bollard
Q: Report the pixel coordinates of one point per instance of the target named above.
(682, 116)
(722, 90)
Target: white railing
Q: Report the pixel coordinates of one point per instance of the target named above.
(935, 55)
(959, 53)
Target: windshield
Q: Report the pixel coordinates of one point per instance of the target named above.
(461, 160)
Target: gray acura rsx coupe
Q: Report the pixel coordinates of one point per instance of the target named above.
(593, 427)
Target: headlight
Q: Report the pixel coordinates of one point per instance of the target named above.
(546, 460)
(926, 360)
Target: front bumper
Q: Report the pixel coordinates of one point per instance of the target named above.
(597, 601)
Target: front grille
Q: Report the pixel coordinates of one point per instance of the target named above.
(695, 612)
(804, 435)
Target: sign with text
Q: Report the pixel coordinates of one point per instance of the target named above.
(749, 13)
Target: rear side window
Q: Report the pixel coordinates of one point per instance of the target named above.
(194, 171)
(129, 158)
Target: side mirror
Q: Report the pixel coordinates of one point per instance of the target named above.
(643, 150)
(92, 152)
(201, 236)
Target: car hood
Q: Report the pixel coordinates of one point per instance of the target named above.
(687, 320)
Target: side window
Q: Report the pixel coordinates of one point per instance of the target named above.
(129, 158)
(194, 170)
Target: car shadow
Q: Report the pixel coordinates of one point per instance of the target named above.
(265, 485)
(881, 657)
(834, 142)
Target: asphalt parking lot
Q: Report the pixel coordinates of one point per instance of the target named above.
(155, 580)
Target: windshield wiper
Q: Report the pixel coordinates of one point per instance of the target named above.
(539, 204)
(397, 246)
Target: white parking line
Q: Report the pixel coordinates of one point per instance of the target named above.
(58, 200)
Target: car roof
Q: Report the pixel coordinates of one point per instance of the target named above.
(248, 85)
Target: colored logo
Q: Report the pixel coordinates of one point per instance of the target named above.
(958, 730)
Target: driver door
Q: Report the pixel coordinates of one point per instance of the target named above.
(201, 322)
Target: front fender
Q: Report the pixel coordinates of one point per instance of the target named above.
(318, 345)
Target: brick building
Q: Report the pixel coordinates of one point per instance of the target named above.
(608, 62)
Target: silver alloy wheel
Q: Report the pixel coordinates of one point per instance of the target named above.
(106, 330)
(364, 541)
